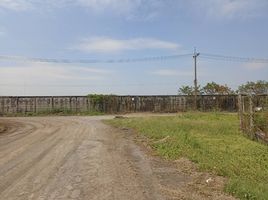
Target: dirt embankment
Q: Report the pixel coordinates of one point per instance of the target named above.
(82, 158)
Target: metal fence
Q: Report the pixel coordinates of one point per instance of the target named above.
(253, 114)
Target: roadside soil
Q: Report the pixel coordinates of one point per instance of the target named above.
(48, 158)
(2, 128)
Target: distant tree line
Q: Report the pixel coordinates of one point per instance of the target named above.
(258, 87)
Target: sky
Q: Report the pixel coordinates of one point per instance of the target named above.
(128, 29)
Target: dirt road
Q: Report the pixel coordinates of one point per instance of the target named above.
(80, 158)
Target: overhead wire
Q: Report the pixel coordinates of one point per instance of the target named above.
(90, 61)
(89, 85)
(130, 60)
(233, 58)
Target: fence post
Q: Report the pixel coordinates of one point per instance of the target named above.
(251, 124)
(75, 104)
(17, 105)
(240, 111)
(35, 105)
(52, 103)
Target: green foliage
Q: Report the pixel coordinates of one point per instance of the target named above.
(214, 88)
(188, 90)
(209, 89)
(258, 87)
(96, 98)
(99, 98)
(214, 142)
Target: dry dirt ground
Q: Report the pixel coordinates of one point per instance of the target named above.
(82, 158)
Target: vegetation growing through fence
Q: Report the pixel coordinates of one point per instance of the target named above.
(253, 114)
(55, 112)
(214, 142)
(99, 98)
(261, 121)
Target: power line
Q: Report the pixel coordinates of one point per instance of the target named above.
(90, 61)
(131, 60)
(89, 85)
(233, 58)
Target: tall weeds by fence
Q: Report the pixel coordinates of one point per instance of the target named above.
(253, 114)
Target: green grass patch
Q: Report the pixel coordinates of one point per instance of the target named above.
(261, 121)
(214, 142)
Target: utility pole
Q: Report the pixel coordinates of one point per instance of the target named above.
(195, 78)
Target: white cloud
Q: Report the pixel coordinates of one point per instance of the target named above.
(118, 5)
(96, 5)
(149, 9)
(93, 70)
(134, 10)
(255, 66)
(109, 45)
(230, 9)
(171, 72)
(3, 31)
(51, 79)
(130, 9)
(16, 5)
(49, 73)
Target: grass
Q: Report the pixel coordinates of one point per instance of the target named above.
(214, 142)
(261, 121)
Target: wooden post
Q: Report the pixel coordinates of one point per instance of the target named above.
(17, 105)
(70, 104)
(75, 104)
(240, 111)
(34, 104)
(251, 124)
(87, 101)
(52, 103)
(3, 106)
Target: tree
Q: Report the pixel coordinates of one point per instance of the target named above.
(258, 87)
(188, 90)
(214, 88)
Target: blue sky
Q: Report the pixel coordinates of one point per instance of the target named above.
(114, 29)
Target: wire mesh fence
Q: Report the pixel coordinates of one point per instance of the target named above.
(253, 114)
